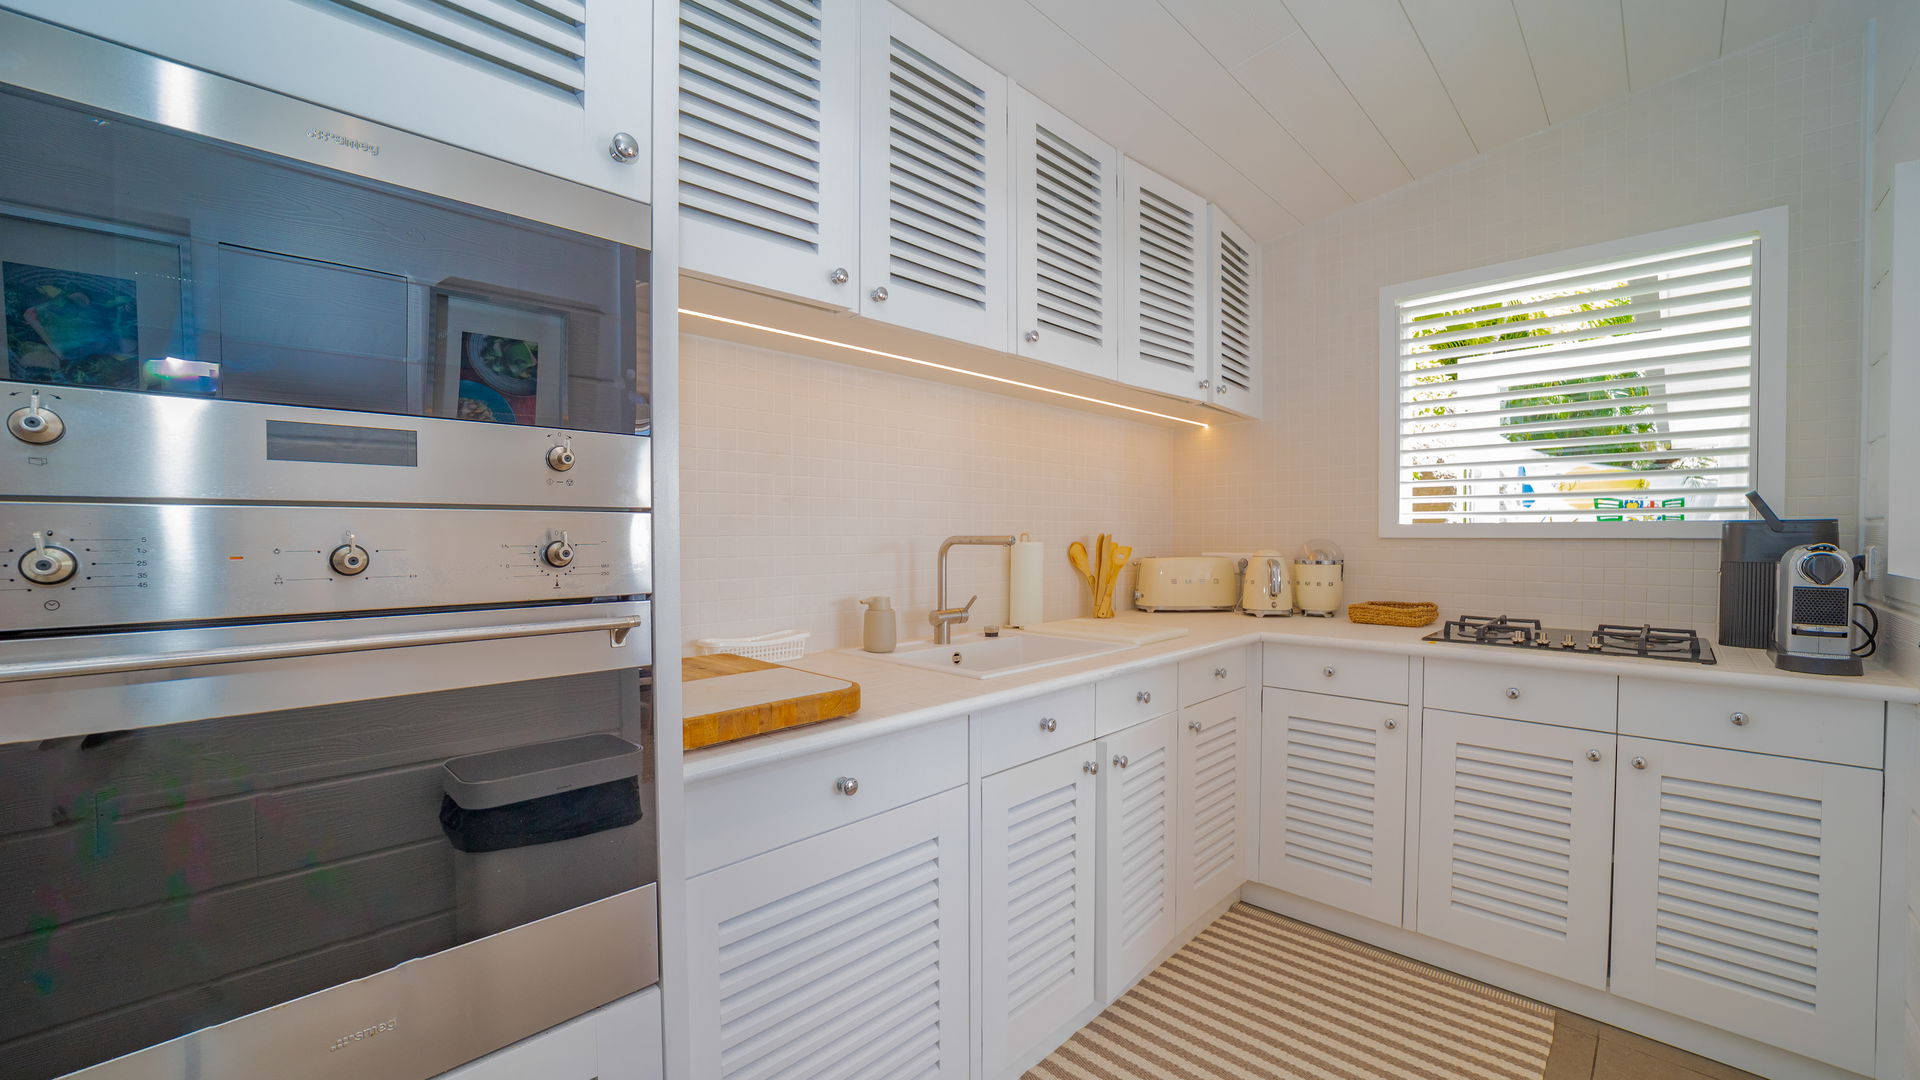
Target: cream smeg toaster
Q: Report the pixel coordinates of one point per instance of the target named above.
(1187, 583)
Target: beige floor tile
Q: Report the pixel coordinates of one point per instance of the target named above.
(1691, 1064)
(1573, 1052)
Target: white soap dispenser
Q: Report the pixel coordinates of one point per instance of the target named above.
(880, 634)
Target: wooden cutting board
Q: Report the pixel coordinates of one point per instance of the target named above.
(727, 697)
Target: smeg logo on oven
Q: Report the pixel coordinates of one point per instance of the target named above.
(347, 141)
(365, 1033)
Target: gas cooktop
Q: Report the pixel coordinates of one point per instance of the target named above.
(1652, 642)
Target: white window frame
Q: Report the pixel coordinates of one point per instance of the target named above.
(1769, 375)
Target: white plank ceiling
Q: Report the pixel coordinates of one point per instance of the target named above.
(1283, 111)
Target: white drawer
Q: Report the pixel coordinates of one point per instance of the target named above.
(1353, 673)
(1574, 699)
(1840, 730)
(1009, 735)
(739, 814)
(1125, 700)
(1209, 676)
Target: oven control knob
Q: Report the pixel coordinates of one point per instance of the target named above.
(559, 552)
(350, 558)
(47, 564)
(35, 423)
(560, 458)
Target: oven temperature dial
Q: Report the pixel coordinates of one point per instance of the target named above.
(47, 564)
(559, 552)
(560, 458)
(36, 424)
(350, 558)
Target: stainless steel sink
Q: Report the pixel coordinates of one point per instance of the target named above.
(976, 656)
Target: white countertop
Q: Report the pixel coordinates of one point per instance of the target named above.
(896, 696)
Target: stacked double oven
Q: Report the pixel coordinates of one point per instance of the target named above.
(325, 745)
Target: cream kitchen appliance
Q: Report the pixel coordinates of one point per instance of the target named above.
(1186, 583)
(1813, 621)
(1320, 579)
(1266, 584)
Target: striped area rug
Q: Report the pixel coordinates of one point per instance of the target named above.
(1261, 997)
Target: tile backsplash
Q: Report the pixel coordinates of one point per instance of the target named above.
(809, 484)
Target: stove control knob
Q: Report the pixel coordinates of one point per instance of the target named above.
(559, 552)
(47, 564)
(560, 458)
(35, 424)
(350, 558)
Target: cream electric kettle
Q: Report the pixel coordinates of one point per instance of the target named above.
(1266, 584)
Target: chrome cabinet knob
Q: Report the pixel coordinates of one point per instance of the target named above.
(559, 553)
(624, 148)
(1119, 761)
(1144, 697)
(879, 294)
(1593, 755)
(1090, 767)
(1327, 671)
(1739, 719)
(560, 458)
(847, 785)
(1195, 726)
(349, 558)
(1049, 725)
(1219, 388)
(1392, 724)
(1513, 693)
(1032, 336)
(47, 564)
(839, 275)
(1204, 383)
(36, 424)
(1639, 763)
(1219, 673)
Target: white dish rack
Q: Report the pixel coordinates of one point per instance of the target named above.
(780, 645)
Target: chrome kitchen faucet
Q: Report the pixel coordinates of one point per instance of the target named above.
(943, 617)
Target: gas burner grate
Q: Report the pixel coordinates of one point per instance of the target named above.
(1649, 639)
(1491, 630)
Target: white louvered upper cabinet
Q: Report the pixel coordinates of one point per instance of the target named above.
(1037, 910)
(936, 231)
(844, 954)
(1138, 875)
(1516, 841)
(1164, 333)
(544, 84)
(1067, 249)
(1214, 761)
(1234, 303)
(770, 144)
(1746, 895)
(1333, 801)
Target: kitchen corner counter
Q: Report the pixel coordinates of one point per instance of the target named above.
(895, 696)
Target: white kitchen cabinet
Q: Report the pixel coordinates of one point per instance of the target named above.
(1067, 250)
(543, 85)
(1234, 324)
(1164, 331)
(1138, 915)
(936, 227)
(621, 1041)
(1746, 895)
(769, 155)
(1333, 801)
(1516, 841)
(1214, 762)
(844, 954)
(1037, 888)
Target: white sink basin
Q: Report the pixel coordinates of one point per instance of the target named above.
(977, 656)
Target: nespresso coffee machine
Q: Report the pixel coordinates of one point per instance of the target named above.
(1750, 554)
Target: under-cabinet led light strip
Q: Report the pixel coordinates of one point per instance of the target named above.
(941, 367)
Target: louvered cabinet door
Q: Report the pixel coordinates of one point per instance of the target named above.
(769, 144)
(1746, 895)
(1234, 298)
(543, 84)
(1164, 326)
(1138, 876)
(1214, 768)
(1333, 801)
(936, 231)
(842, 955)
(1037, 909)
(1067, 249)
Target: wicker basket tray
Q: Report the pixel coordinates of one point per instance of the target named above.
(1393, 612)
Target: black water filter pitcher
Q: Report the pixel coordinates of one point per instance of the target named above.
(1750, 554)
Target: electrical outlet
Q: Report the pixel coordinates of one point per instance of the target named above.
(1876, 562)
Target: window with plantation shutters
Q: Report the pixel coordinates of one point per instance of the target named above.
(1624, 389)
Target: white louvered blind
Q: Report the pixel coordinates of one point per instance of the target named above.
(543, 42)
(1619, 390)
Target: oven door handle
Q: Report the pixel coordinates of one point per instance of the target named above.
(617, 630)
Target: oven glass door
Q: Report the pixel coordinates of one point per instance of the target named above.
(137, 258)
(157, 880)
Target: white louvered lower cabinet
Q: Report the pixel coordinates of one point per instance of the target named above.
(1516, 841)
(1037, 887)
(1214, 763)
(544, 85)
(844, 954)
(936, 228)
(1067, 251)
(1746, 895)
(1333, 801)
(769, 144)
(1164, 328)
(1138, 875)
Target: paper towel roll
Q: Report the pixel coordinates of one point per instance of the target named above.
(1024, 587)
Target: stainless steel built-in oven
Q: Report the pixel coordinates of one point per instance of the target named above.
(325, 567)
